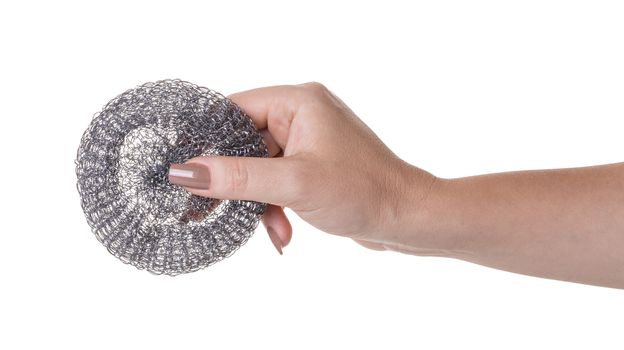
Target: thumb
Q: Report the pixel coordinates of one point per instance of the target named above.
(269, 180)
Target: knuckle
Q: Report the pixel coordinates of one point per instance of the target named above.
(237, 178)
(315, 88)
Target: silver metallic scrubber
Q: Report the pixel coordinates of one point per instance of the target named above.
(122, 165)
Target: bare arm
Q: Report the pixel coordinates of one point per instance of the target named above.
(334, 172)
(563, 224)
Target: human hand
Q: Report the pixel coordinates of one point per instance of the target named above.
(331, 169)
(326, 165)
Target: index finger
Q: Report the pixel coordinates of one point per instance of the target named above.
(271, 108)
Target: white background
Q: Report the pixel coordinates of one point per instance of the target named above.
(456, 87)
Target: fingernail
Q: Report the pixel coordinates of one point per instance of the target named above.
(277, 242)
(190, 175)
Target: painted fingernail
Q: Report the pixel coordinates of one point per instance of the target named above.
(190, 175)
(277, 242)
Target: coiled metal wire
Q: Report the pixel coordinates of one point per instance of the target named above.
(122, 165)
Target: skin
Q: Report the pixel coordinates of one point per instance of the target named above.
(335, 173)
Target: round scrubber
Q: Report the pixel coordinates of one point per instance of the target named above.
(122, 166)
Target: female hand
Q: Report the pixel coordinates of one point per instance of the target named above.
(332, 170)
(326, 165)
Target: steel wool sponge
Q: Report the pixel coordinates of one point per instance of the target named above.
(122, 166)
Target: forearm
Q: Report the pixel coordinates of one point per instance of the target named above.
(564, 224)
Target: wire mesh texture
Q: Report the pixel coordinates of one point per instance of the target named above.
(122, 165)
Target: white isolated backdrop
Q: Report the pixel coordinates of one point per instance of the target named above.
(456, 87)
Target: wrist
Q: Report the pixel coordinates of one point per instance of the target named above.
(423, 221)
